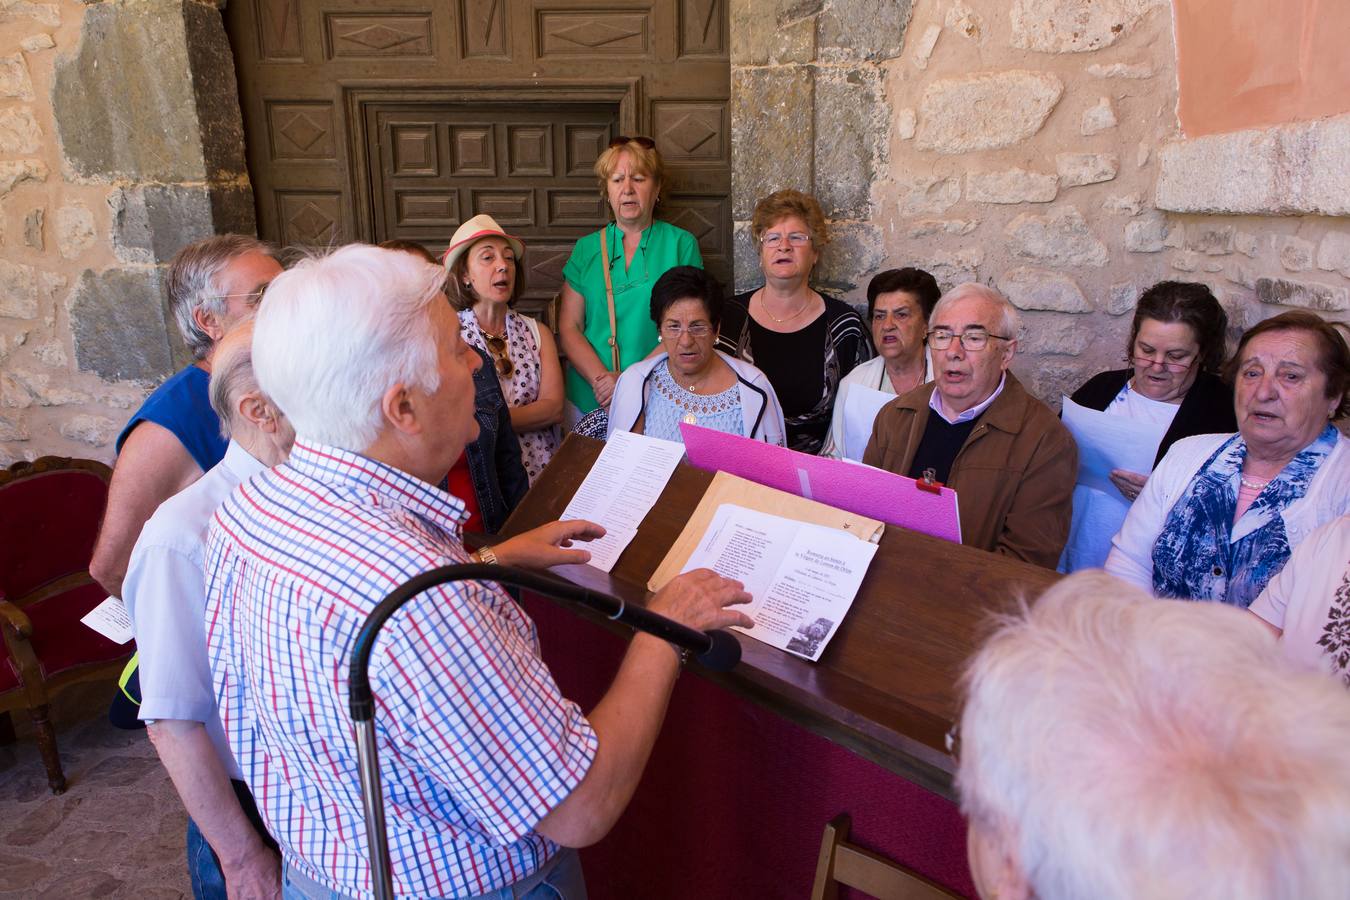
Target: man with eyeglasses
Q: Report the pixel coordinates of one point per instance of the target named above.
(175, 436)
(976, 429)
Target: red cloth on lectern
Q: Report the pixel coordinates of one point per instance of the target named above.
(735, 797)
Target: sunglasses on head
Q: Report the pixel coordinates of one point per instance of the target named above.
(622, 140)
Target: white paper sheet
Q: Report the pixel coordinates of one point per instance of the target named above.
(110, 619)
(861, 405)
(621, 489)
(802, 578)
(1110, 442)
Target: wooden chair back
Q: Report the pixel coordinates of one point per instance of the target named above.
(50, 511)
(848, 864)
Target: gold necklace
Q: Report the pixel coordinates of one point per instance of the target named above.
(768, 312)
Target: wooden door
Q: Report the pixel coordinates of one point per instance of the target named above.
(402, 118)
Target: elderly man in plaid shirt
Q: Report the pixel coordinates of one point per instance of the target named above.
(488, 771)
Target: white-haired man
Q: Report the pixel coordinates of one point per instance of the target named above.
(487, 769)
(228, 849)
(175, 436)
(975, 428)
(1114, 746)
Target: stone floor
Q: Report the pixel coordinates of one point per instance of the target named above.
(116, 832)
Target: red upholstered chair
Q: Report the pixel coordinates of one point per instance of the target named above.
(49, 516)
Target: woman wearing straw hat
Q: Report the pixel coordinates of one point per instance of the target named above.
(605, 323)
(485, 282)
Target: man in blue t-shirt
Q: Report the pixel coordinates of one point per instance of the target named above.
(175, 436)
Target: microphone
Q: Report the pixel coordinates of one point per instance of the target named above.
(716, 650)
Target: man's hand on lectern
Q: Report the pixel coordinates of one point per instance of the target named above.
(699, 599)
(548, 545)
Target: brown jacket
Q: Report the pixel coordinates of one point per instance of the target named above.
(1013, 477)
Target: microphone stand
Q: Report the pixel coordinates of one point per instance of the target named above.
(716, 650)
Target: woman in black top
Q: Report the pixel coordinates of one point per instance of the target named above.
(804, 341)
(1175, 351)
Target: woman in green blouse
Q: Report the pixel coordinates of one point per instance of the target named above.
(639, 250)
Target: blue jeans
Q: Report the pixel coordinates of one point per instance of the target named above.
(558, 879)
(208, 881)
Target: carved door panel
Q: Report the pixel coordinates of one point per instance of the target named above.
(372, 119)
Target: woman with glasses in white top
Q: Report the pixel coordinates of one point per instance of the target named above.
(689, 381)
(1175, 351)
(803, 340)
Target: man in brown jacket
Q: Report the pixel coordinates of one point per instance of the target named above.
(978, 431)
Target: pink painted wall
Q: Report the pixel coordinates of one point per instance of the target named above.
(1247, 63)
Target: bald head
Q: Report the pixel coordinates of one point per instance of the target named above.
(232, 375)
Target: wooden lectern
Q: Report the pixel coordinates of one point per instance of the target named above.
(751, 764)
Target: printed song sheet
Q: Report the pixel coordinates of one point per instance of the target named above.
(802, 577)
(111, 620)
(621, 489)
(1110, 442)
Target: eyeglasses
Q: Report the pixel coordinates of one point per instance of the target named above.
(1146, 363)
(501, 360)
(624, 140)
(974, 339)
(251, 298)
(774, 239)
(697, 330)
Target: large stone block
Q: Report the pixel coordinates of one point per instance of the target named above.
(1077, 169)
(18, 291)
(850, 138)
(151, 223)
(771, 133)
(120, 325)
(97, 431)
(871, 29)
(951, 268)
(1031, 288)
(19, 131)
(1061, 238)
(925, 195)
(1074, 26)
(1011, 186)
(1303, 294)
(216, 90)
(986, 111)
(41, 13)
(1049, 333)
(1298, 169)
(855, 253)
(150, 94)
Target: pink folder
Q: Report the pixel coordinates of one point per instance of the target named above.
(860, 489)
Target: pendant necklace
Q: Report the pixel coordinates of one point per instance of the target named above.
(768, 312)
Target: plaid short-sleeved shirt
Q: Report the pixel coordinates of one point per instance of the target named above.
(476, 744)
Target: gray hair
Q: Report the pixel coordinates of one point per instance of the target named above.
(1010, 321)
(338, 330)
(1135, 747)
(231, 378)
(191, 282)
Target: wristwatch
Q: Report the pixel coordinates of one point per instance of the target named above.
(486, 556)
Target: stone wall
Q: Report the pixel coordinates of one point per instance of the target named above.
(120, 140)
(1032, 145)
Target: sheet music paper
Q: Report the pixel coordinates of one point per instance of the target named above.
(111, 620)
(620, 489)
(1110, 442)
(861, 406)
(802, 578)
